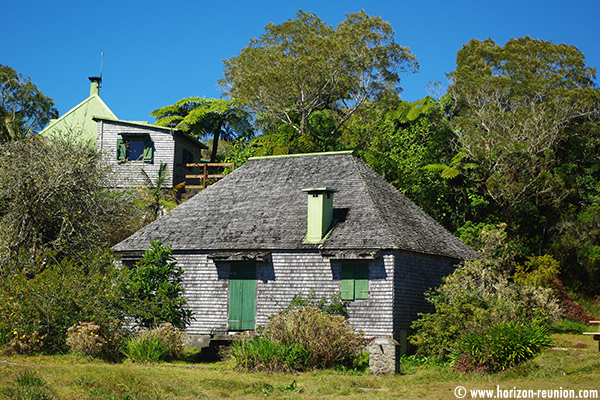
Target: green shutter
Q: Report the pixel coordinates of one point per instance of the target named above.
(121, 150)
(148, 149)
(361, 281)
(355, 281)
(347, 286)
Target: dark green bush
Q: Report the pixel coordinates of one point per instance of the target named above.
(502, 346)
(153, 290)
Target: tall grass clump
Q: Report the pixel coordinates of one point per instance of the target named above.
(262, 354)
(163, 343)
(299, 340)
(504, 345)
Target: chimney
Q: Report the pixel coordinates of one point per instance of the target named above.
(95, 85)
(320, 213)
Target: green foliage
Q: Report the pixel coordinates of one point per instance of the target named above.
(263, 354)
(144, 350)
(54, 201)
(163, 343)
(201, 117)
(300, 339)
(502, 346)
(476, 296)
(515, 103)
(24, 109)
(578, 246)
(567, 326)
(537, 271)
(335, 306)
(329, 338)
(156, 192)
(38, 310)
(302, 66)
(153, 290)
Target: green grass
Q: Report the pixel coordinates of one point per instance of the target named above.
(69, 377)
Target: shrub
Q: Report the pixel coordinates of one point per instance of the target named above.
(502, 346)
(163, 343)
(95, 340)
(537, 271)
(475, 297)
(57, 297)
(154, 290)
(329, 339)
(25, 343)
(144, 349)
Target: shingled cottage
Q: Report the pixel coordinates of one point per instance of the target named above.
(281, 225)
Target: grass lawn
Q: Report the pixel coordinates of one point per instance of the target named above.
(70, 377)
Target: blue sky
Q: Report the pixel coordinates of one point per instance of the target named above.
(156, 53)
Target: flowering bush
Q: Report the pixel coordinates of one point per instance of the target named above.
(25, 343)
(95, 340)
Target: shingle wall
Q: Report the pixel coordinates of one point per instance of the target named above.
(207, 291)
(414, 274)
(128, 174)
(289, 273)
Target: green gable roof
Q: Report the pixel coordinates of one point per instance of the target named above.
(78, 122)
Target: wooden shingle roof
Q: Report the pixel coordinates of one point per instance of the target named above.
(261, 207)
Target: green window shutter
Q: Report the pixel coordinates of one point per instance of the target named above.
(347, 285)
(121, 150)
(361, 281)
(148, 149)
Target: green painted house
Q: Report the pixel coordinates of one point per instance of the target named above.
(78, 123)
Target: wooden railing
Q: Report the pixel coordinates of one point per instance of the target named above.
(204, 177)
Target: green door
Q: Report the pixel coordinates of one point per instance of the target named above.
(242, 296)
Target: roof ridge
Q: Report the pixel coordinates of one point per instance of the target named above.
(326, 153)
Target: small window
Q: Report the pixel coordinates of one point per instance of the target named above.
(355, 281)
(188, 158)
(135, 148)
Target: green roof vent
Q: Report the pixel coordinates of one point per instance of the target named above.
(320, 213)
(95, 85)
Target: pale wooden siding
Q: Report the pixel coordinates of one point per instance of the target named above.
(415, 274)
(168, 149)
(207, 291)
(289, 273)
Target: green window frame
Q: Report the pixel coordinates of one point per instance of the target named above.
(355, 281)
(124, 155)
